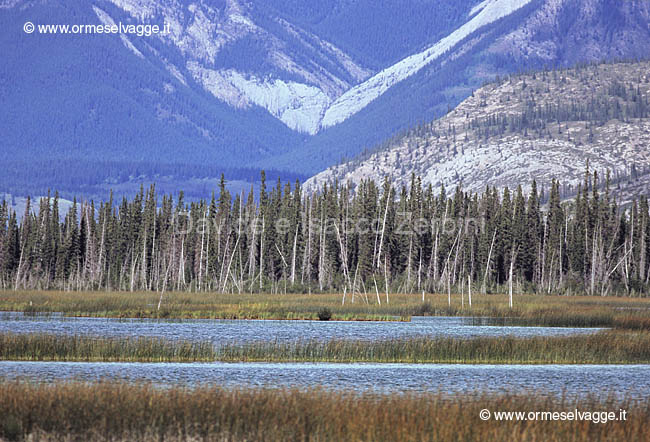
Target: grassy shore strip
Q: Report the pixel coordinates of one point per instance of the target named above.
(600, 348)
(534, 310)
(248, 315)
(49, 347)
(121, 411)
(611, 347)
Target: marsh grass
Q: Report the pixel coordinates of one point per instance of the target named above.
(49, 347)
(612, 347)
(534, 310)
(121, 411)
(194, 306)
(600, 348)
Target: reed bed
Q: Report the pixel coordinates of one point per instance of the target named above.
(49, 347)
(612, 347)
(600, 348)
(195, 306)
(121, 411)
(537, 310)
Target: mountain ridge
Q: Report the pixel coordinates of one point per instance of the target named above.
(541, 126)
(543, 33)
(361, 95)
(246, 83)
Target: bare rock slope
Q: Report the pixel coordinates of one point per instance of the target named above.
(536, 126)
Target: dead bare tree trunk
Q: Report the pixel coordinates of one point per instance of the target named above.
(153, 249)
(251, 254)
(383, 229)
(386, 277)
(165, 280)
(487, 265)
(409, 263)
(143, 272)
(376, 289)
(513, 256)
(344, 254)
(201, 253)
(293, 259)
(133, 264)
(232, 256)
(642, 254)
(262, 254)
(593, 265)
(448, 285)
(100, 267)
(20, 265)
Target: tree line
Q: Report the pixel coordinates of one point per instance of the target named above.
(369, 240)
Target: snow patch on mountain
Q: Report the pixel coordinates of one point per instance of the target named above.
(208, 30)
(201, 30)
(175, 72)
(356, 71)
(331, 85)
(218, 84)
(297, 105)
(199, 36)
(140, 9)
(478, 7)
(108, 21)
(360, 96)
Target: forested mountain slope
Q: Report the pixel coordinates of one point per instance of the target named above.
(538, 126)
(231, 80)
(288, 85)
(539, 34)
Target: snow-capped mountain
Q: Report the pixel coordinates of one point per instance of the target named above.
(495, 38)
(320, 97)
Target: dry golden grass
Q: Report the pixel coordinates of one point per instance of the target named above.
(588, 311)
(197, 305)
(119, 411)
(610, 347)
(50, 347)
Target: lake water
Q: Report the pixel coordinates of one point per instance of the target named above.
(631, 381)
(574, 380)
(242, 331)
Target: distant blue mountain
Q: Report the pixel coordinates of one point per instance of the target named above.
(287, 85)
